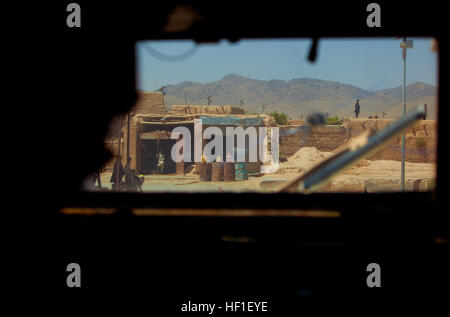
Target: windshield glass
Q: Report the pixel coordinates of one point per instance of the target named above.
(256, 114)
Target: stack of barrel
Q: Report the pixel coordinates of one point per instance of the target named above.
(217, 172)
(241, 172)
(228, 172)
(180, 168)
(204, 170)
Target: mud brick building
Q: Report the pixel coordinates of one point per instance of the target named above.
(149, 130)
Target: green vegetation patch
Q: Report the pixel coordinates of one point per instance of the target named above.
(280, 118)
(334, 121)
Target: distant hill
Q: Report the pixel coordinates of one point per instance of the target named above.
(301, 96)
(413, 91)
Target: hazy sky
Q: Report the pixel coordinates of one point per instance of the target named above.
(366, 63)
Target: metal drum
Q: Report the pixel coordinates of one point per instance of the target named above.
(241, 172)
(204, 169)
(180, 168)
(228, 172)
(217, 172)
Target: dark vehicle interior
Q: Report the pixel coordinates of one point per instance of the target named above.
(154, 251)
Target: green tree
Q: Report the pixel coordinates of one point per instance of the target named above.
(280, 118)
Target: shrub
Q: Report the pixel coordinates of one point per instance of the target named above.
(333, 121)
(280, 118)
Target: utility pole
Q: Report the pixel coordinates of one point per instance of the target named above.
(404, 45)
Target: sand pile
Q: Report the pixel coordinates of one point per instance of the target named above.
(308, 154)
(364, 176)
(303, 160)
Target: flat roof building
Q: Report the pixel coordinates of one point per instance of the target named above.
(151, 126)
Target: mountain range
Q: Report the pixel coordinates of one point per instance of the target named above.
(301, 97)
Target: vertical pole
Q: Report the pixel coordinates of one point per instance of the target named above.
(404, 113)
(157, 155)
(128, 137)
(99, 178)
(116, 184)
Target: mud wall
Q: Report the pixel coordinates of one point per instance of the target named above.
(421, 139)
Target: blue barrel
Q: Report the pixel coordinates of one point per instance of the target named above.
(241, 172)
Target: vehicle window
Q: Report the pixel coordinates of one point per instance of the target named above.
(256, 114)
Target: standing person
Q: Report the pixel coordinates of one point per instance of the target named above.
(117, 173)
(129, 175)
(357, 108)
(384, 114)
(426, 112)
(160, 165)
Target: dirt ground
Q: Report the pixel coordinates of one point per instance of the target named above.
(365, 176)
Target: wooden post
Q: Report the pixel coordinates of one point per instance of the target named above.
(99, 180)
(116, 184)
(128, 137)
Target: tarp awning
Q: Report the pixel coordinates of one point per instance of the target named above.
(231, 121)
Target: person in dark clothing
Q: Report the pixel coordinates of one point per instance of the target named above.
(357, 108)
(426, 112)
(118, 168)
(129, 175)
(95, 178)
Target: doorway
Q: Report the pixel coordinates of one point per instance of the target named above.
(150, 148)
